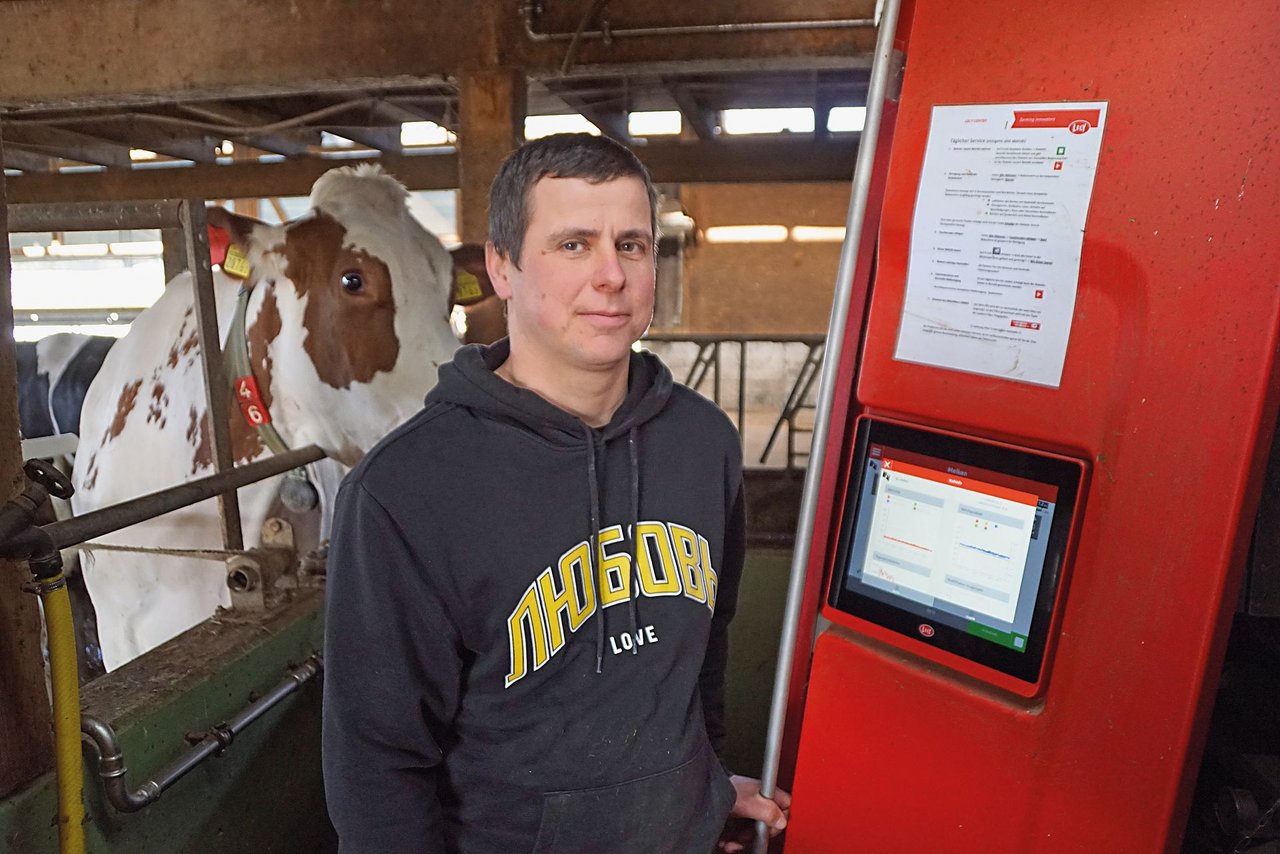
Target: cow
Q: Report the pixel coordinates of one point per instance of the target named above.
(485, 313)
(54, 374)
(346, 325)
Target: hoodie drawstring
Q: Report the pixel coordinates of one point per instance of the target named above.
(593, 559)
(593, 488)
(635, 536)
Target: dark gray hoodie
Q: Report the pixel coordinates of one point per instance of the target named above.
(478, 698)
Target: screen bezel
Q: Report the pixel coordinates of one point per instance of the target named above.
(1066, 474)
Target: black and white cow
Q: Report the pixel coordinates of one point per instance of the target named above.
(53, 376)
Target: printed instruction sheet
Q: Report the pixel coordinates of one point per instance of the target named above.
(995, 242)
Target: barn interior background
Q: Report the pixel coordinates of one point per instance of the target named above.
(748, 115)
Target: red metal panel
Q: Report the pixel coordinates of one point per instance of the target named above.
(1169, 389)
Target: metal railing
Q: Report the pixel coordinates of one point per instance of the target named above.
(80, 529)
(708, 364)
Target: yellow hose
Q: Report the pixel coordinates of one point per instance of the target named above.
(66, 715)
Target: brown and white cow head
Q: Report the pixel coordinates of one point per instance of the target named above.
(348, 319)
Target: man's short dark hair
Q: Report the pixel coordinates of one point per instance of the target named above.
(594, 159)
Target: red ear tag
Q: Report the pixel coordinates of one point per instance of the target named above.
(219, 240)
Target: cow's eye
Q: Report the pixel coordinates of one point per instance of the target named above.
(352, 282)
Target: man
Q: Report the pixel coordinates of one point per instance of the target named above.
(531, 581)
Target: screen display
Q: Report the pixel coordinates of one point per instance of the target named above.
(956, 542)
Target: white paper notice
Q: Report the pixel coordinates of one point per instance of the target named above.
(995, 242)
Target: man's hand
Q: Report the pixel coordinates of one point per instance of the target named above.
(750, 807)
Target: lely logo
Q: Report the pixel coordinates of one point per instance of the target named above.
(925, 630)
(1079, 126)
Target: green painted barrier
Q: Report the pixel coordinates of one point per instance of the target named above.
(263, 795)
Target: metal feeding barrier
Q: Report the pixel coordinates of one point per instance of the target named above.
(164, 214)
(184, 218)
(708, 363)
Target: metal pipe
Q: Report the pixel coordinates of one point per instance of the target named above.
(112, 768)
(217, 394)
(212, 127)
(826, 393)
(715, 387)
(810, 338)
(800, 388)
(531, 9)
(742, 392)
(76, 316)
(35, 546)
(64, 684)
(94, 216)
(174, 253)
(71, 532)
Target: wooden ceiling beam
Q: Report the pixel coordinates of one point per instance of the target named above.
(344, 45)
(238, 180)
(757, 160)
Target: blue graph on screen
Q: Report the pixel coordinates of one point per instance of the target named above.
(984, 551)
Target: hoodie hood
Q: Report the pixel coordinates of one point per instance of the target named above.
(469, 381)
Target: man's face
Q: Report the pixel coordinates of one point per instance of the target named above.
(583, 293)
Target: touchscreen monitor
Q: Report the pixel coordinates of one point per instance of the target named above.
(956, 543)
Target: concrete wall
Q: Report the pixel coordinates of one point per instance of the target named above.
(761, 287)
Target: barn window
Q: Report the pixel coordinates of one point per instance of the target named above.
(536, 127)
(846, 119)
(771, 120)
(654, 123)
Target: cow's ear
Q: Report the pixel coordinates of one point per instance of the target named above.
(471, 282)
(239, 228)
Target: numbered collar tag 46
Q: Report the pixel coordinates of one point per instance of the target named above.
(251, 405)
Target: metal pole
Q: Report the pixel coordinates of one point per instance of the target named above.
(826, 392)
(94, 216)
(742, 392)
(25, 724)
(800, 388)
(215, 380)
(79, 529)
(174, 256)
(715, 387)
(531, 8)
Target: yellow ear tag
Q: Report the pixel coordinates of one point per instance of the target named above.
(236, 264)
(467, 288)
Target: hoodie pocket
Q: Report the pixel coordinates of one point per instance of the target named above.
(680, 810)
